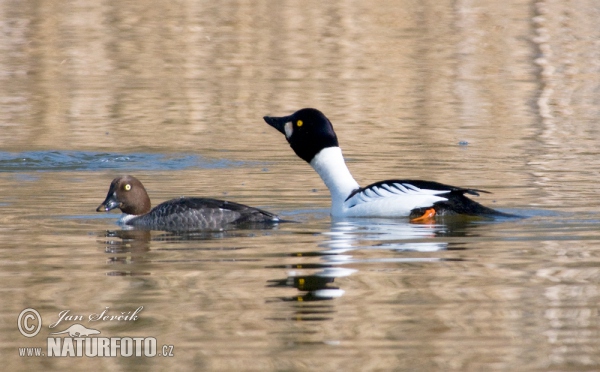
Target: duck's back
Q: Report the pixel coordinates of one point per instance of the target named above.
(189, 214)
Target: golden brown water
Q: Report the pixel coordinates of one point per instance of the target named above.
(502, 96)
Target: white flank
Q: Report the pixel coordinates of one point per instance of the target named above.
(391, 200)
(126, 218)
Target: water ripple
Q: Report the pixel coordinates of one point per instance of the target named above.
(44, 161)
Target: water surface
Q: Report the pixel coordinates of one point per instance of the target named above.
(496, 96)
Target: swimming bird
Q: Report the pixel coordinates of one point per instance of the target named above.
(181, 214)
(310, 134)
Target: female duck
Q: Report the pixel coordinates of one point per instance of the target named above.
(182, 214)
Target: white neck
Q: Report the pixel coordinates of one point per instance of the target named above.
(330, 165)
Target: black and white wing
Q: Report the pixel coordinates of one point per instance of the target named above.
(406, 196)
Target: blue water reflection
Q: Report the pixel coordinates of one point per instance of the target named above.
(92, 161)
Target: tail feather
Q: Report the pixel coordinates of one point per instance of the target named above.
(459, 204)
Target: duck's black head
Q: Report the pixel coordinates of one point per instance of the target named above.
(308, 132)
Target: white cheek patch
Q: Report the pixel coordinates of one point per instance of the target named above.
(289, 129)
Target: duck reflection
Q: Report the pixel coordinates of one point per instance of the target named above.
(350, 235)
(139, 240)
(126, 241)
(132, 246)
(317, 286)
(336, 254)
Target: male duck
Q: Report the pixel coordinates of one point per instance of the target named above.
(311, 136)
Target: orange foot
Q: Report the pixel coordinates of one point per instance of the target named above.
(426, 217)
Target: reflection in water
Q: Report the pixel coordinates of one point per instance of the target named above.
(347, 235)
(177, 83)
(126, 247)
(345, 238)
(132, 246)
(137, 241)
(316, 287)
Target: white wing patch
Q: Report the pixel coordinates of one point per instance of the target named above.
(386, 190)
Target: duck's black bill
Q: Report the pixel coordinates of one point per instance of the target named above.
(277, 122)
(108, 204)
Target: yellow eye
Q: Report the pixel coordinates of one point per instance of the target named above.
(299, 123)
(127, 187)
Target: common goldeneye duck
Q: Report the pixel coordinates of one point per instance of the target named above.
(311, 136)
(182, 214)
